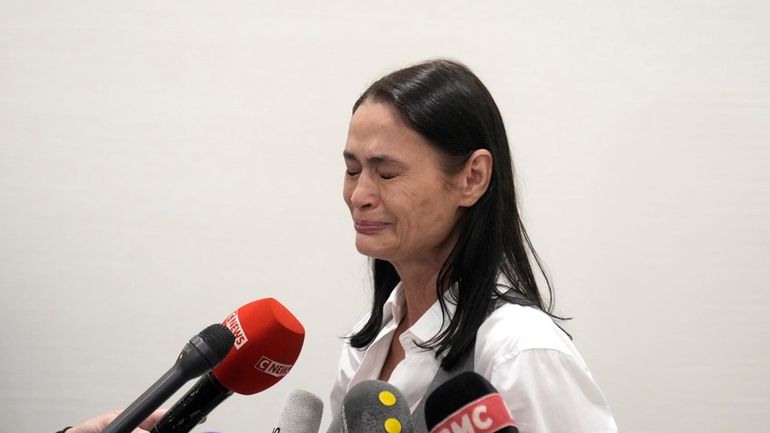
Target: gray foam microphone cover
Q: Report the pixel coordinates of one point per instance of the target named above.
(373, 406)
(301, 413)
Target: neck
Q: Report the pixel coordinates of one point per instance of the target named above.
(418, 277)
(418, 282)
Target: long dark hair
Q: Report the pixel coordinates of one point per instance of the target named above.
(448, 105)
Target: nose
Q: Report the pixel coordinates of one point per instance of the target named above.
(365, 193)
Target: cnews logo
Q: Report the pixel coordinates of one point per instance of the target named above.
(272, 368)
(234, 325)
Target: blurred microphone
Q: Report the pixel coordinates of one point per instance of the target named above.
(468, 403)
(202, 353)
(268, 339)
(373, 406)
(301, 413)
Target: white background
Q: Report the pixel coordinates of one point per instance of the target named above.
(162, 163)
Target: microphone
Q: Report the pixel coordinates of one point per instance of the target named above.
(373, 406)
(301, 413)
(268, 340)
(468, 403)
(202, 353)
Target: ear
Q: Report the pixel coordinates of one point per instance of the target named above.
(475, 176)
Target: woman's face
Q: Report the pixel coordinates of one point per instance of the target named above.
(404, 207)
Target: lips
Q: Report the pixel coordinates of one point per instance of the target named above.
(369, 227)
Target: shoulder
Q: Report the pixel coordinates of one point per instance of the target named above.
(542, 377)
(514, 329)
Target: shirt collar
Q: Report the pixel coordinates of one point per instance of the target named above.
(430, 324)
(393, 309)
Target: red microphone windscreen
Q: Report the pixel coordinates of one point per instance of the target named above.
(268, 339)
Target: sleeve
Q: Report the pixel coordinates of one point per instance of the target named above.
(549, 391)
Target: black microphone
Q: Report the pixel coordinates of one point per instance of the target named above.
(268, 340)
(373, 406)
(301, 413)
(468, 403)
(202, 353)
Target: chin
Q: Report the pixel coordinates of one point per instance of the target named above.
(371, 251)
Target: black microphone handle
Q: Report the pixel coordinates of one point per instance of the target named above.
(150, 400)
(195, 359)
(198, 402)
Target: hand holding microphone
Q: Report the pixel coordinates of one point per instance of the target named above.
(98, 423)
(263, 339)
(268, 340)
(203, 352)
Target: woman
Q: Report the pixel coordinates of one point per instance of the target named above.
(430, 188)
(429, 184)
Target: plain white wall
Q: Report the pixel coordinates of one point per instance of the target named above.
(162, 163)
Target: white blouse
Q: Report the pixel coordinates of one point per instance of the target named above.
(532, 363)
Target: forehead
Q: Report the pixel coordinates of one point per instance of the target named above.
(376, 128)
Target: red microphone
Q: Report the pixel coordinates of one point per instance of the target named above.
(268, 340)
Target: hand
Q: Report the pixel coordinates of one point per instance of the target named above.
(98, 423)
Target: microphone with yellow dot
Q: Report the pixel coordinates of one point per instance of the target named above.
(373, 406)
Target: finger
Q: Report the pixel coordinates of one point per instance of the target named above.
(105, 419)
(153, 419)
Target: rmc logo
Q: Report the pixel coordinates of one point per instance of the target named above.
(485, 415)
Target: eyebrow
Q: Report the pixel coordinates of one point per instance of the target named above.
(374, 159)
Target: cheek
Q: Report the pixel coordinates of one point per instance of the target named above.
(433, 198)
(417, 212)
(436, 211)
